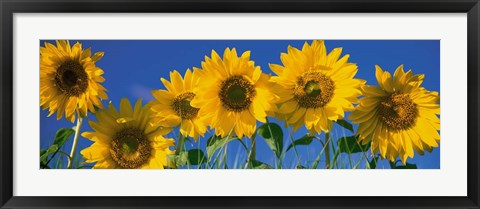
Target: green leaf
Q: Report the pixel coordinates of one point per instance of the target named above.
(273, 135)
(215, 142)
(350, 144)
(407, 166)
(260, 165)
(172, 161)
(43, 163)
(211, 141)
(52, 149)
(196, 157)
(345, 124)
(62, 136)
(305, 140)
(176, 161)
(42, 151)
(301, 167)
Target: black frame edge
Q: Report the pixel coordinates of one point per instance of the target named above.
(241, 6)
(240, 202)
(8, 7)
(6, 98)
(473, 22)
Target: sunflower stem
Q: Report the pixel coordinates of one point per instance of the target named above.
(251, 154)
(254, 150)
(181, 142)
(75, 140)
(327, 150)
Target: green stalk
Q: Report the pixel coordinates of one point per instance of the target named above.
(75, 140)
(252, 153)
(327, 150)
(254, 150)
(317, 160)
(294, 148)
(181, 142)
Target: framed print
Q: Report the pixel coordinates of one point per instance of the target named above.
(265, 104)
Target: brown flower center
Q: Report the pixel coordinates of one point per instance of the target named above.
(313, 90)
(237, 93)
(181, 105)
(398, 111)
(71, 78)
(130, 148)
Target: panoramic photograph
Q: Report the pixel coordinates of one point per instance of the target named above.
(239, 104)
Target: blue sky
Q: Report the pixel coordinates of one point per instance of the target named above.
(133, 68)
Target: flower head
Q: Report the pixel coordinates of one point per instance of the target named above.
(314, 87)
(399, 115)
(70, 80)
(233, 93)
(172, 106)
(126, 139)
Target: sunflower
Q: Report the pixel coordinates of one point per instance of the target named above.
(314, 87)
(398, 116)
(69, 80)
(172, 106)
(125, 139)
(233, 93)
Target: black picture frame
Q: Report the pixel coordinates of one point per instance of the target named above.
(9, 7)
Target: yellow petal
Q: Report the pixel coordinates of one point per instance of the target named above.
(177, 81)
(97, 56)
(126, 108)
(288, 107)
